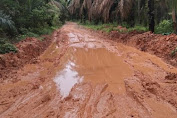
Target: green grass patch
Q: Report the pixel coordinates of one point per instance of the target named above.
(138, 28)
(102, 27)
(113, 27)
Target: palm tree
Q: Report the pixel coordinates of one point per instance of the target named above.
(100, 10)
(6, 23)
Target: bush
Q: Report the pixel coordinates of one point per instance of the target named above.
(165, 27)
(27, 34)
(44, 30)
(47, 15)
(35, 32)
(6, 47)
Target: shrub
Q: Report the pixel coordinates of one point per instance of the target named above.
(35, 32)
(47, 15)
(27, 34)
(6, 47)
(165, 27)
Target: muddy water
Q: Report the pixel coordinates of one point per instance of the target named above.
(67, 78)
(93, 65)
(88, 61)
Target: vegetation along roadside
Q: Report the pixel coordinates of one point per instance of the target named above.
(28, 18)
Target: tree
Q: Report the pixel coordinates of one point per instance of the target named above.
(151, 15)
(6, 23)
(174, 4)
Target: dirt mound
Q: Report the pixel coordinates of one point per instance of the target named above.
(160, 45)
(122, 28)
(157, 44)
(28, 51)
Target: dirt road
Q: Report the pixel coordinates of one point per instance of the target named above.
(84, 75)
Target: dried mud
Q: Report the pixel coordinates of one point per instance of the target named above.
(85, 75)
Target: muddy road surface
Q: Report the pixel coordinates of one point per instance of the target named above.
(84, 75)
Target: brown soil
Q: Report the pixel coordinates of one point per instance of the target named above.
(83, 74)
(157, 44)
(28, 52)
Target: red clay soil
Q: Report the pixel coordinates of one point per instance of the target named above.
(28, 51)
(157, 44)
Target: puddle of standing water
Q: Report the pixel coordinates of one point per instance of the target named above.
(88, 60)
(102, 66)
(93, 65)
(67, 78)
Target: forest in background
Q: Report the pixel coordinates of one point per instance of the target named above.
(28, 18)
(31, 18)
(153, 15)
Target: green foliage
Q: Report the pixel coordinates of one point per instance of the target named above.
(103, 27)
(128, 13)
(113, 27)
(35, 32)
(173, 53)
(6, 22)
(28, 34)
(165, 27)
(29, 18)
(125, 24)
(6, 47)
(31, 14)
(47, 15)
(43, 30)
(138, 28)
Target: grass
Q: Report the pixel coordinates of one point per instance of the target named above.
(112, 27)
(138, 28)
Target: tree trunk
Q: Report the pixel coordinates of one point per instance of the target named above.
(138, 11)
(174, 20)
(151, 15)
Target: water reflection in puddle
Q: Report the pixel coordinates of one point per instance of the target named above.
(67, 78)
(95, 66)
(91, 62)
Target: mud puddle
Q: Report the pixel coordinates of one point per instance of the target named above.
(91, 60)
(93, 65)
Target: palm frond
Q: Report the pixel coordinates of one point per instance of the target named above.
(6, 22)
(125, 7)
(100, 9)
